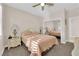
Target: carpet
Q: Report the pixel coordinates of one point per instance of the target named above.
(57, 50)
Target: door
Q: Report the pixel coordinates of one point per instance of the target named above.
(74, 27)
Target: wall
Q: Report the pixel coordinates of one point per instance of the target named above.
(23, 20)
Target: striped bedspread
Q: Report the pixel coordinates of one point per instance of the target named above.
(38, 43)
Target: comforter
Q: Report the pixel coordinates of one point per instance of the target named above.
(38, 43)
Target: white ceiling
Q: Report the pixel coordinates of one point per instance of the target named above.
(37, 10)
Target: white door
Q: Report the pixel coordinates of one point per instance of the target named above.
(74, 27)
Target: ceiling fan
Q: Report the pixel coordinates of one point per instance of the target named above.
(43, 5)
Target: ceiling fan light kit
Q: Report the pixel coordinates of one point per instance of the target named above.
(43, 5)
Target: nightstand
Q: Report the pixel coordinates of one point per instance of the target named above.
(15, 41)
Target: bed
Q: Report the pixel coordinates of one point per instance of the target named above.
(38, 43)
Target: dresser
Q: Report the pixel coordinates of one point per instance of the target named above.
(15, 41)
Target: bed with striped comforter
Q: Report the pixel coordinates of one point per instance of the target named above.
(38, 43)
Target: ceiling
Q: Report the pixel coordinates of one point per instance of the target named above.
(37, 10)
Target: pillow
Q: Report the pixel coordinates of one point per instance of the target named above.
(26, 33)
(29, 33)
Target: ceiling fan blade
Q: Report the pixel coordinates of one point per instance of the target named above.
(36, 5)
(49, 4)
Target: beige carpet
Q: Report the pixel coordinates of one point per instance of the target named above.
(60, 50)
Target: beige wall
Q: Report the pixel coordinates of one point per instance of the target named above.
(24, 20)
